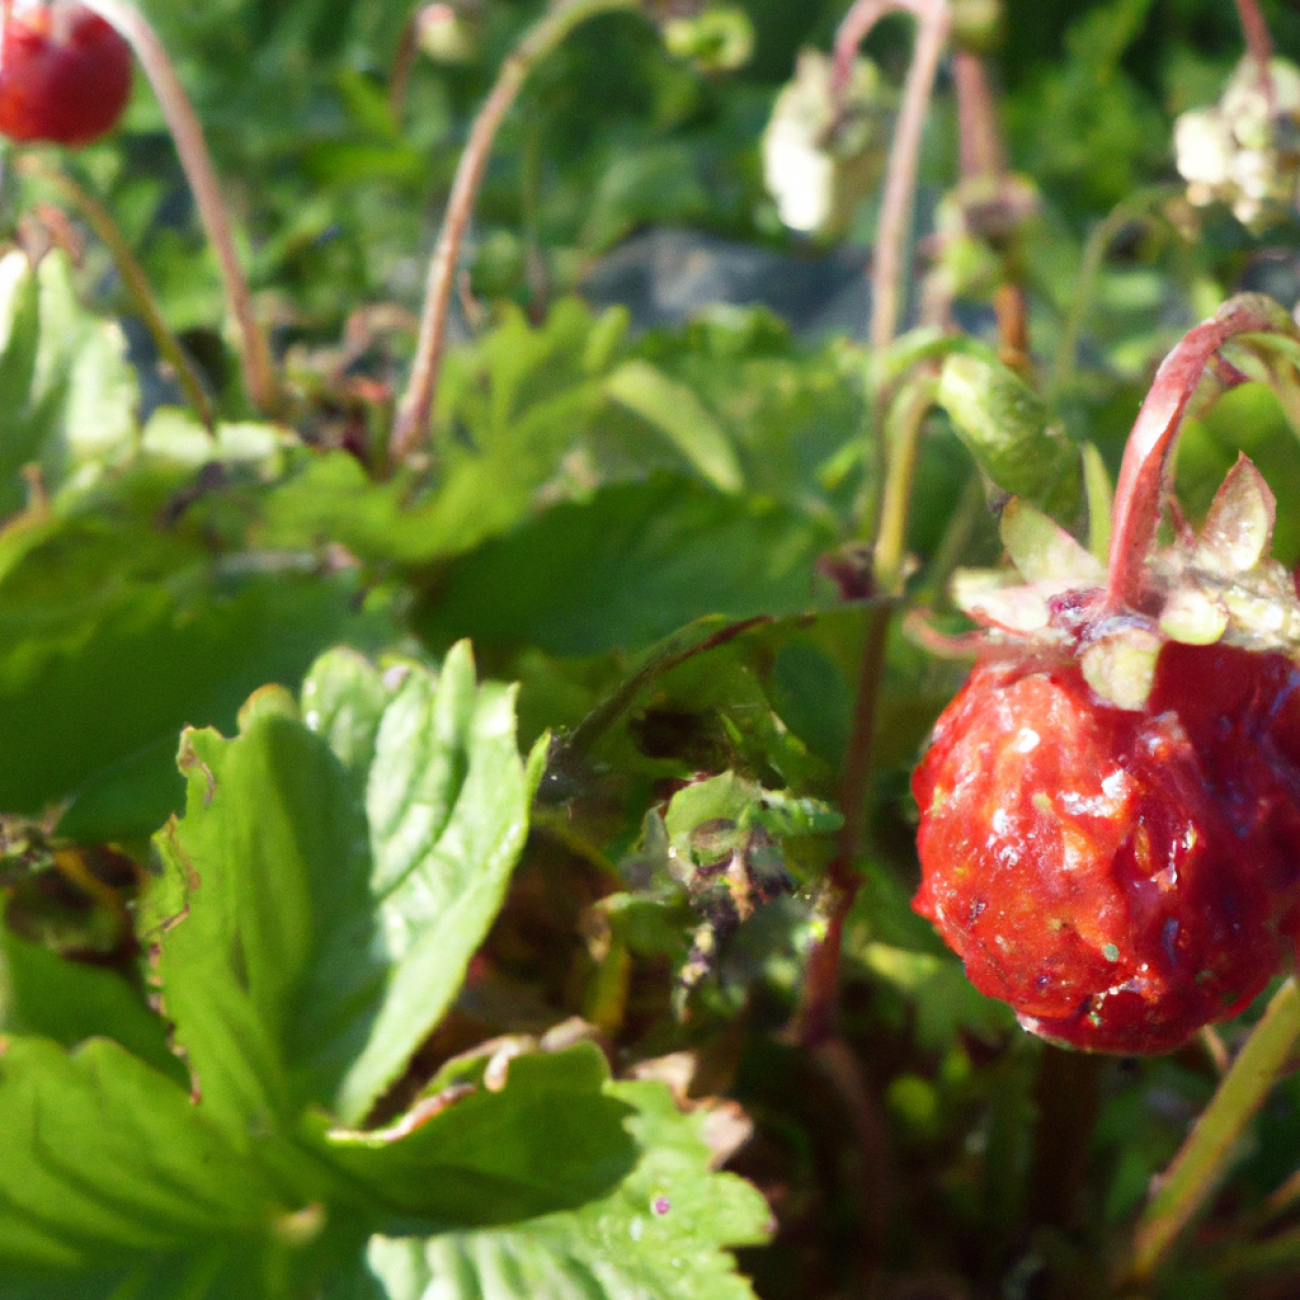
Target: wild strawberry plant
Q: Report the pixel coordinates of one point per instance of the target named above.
(524, 780)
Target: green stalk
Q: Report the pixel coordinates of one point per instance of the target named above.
(1212, 1143)
(135, 280)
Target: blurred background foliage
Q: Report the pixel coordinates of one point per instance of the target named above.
(653, 423)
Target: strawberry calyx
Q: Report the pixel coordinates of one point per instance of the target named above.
(1058, 603)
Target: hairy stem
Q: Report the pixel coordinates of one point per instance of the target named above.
(133, 276)
(255, 351)
(1209, 1149)
(411, 425)
(1140, 492)
(983, 158)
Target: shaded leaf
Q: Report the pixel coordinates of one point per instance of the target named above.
(115, 634)
(626, 568)
(679, 415)
(70, 1001)
(660, 1236)
(551, 1139)
(270, 975)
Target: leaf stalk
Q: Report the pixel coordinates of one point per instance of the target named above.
(1210, 1147)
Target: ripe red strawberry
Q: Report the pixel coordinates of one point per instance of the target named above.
(1120, 877)
(1110, 808)
(65, 73)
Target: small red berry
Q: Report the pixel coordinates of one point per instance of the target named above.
(1110, 809)
(1120, 877)
(65, 73)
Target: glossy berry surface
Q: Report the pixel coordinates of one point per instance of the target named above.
(1120, 877)
(65, 74)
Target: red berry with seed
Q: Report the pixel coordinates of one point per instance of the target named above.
(65, 73)
(1114, 874)
(1110, 808)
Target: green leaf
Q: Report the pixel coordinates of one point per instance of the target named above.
(626, 568)
(314, 953)
(679, 415)
(114, 634)
(447, 799)
(102, 1157)
(732, 798)
(70, 1001)
(660, 1236)
(553, 1138)
(343, 699)
(270, 974)
(1043, 551)
(67, 394)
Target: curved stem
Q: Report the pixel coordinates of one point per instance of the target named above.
(852, 31)
(1209, 1148)
(133, 276)
(255, 352)
(814, 1021)
(411, 425)
(1139, 494)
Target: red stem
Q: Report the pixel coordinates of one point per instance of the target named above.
(1259, 43)
(977, 131)
(1139, 496)
(1258, 40)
